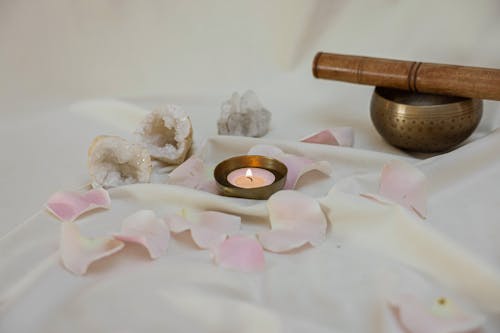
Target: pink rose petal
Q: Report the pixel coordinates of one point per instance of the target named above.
(67, 206)
(177, 223)
(323, 137)
(296, 219)
(406, 185)
(282, 240)
(193, 174)
(239, 253)
(441, 317)
(143, 227)
(78, 252)
(344, 135)
(209, 186)
(189, 174)
(207, 228)
(339, 136)
(296, 165)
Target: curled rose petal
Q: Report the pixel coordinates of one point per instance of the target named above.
(67, 206)
(441, 317)
(189, 174)
(344, 135)
(209, 186)
(339, 136)
(239, 253)
(193, 174)
(282, 240)
(207, 228)
(296, 220)
(296, 165)
(143, 227)
(406, 185)
(78, 252)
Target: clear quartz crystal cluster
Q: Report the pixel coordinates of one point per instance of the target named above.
(244, 116)
(165, 135)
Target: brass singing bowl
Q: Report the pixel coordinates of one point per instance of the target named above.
(423, 122)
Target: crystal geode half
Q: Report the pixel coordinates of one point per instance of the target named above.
(167, 134)
(244, 116)
(113, 161)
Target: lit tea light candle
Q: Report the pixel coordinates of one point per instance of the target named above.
(250, 177)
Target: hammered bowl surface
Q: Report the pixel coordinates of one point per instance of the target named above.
(423, 122)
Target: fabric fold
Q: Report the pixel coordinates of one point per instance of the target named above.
(390, 230)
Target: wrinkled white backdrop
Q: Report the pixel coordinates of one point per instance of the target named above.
(54, 49)
(57, 55)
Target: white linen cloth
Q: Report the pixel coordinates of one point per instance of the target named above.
(196, 54)
(372, 253)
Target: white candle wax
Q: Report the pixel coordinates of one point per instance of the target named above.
(250, 177)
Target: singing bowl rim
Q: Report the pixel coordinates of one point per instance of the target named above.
(454, 105)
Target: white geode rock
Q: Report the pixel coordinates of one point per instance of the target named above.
(244, 116)
(167, 134)
(113, 161)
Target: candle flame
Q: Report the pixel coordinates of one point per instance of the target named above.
(249, 173)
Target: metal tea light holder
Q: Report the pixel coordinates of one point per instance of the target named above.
(224, 168)
(422, 107)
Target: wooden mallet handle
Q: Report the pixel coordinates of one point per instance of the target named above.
(474, 82)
